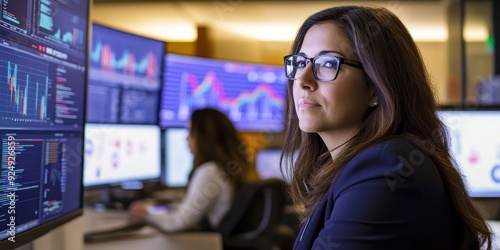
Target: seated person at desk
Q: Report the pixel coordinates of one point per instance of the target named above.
(220, 167)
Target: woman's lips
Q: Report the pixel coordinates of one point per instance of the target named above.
(306, 104)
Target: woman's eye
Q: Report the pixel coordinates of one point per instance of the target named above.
(328, 64)
(301, 64)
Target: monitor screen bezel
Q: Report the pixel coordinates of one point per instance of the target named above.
(29, 235)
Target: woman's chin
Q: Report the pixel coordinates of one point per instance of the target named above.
(308, 128)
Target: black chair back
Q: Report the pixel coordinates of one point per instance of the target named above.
(252, 221)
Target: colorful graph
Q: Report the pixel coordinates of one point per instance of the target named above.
(126, 62)
(8, 16)
(14, 13)
(20, 95)
(139, 56)
(125, 77)
(252, 95)
(261, 102)
(24, 88)
(72, 37)
(61, 24)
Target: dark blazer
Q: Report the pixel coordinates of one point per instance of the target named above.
(390, 196)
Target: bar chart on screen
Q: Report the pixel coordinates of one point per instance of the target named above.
(24, 92)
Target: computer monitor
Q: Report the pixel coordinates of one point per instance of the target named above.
(121, 153)
(43, 67)
(124, 77)
(178, 158)
(474, 140)
(267, 162)
(252, 95)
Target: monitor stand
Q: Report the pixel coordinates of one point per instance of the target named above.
(114, 197)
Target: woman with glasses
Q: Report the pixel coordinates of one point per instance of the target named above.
(369, 157)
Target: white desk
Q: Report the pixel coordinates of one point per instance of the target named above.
(146, 238)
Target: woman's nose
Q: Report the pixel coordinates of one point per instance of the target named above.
(306, 79)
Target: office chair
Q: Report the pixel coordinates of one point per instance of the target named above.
(253, 219)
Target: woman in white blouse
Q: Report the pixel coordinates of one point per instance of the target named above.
(220, 167)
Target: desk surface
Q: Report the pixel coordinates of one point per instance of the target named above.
(178, 241)
(146, 238)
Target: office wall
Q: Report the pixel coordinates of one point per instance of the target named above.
(435, 56)
(480, 65)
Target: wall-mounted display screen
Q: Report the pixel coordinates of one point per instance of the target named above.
(252, 95)
(124, 78)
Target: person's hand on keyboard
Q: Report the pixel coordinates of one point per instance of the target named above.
(137, 212)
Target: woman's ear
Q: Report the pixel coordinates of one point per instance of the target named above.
(373, 100)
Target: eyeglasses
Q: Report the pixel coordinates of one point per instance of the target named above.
(325, 67)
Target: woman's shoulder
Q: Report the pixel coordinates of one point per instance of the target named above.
(391, 158)
(208, 166)
(395, 147)
(207, 169)
(209, 172)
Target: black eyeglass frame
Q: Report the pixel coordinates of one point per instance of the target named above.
(341, 61)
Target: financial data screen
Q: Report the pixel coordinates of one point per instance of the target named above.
(125, 77)
(252, 95)
(43, 73)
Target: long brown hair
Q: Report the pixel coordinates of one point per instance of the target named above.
(217, 140)
(396, 72)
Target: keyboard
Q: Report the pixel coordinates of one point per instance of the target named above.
(128, 230)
